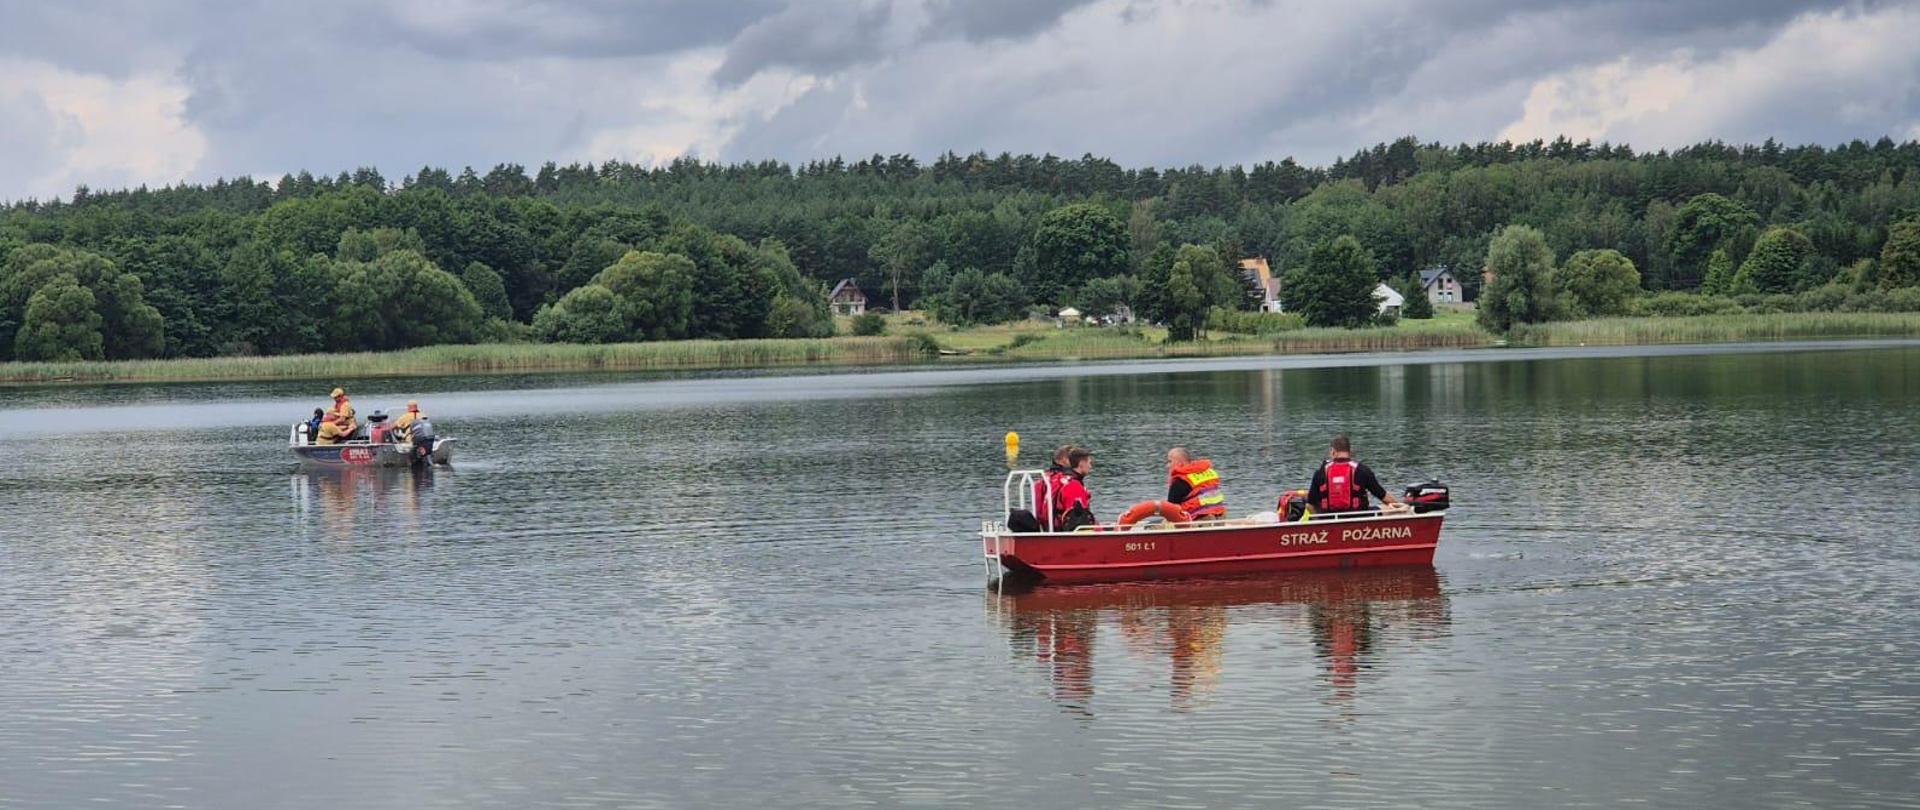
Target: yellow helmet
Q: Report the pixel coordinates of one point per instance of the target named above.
(338, 392)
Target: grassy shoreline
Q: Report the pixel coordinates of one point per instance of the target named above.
(1014, 343)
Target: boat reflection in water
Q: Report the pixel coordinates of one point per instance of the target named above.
(1347, 616)
(336, 501)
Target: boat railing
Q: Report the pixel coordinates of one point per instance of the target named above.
(1366, 514)
(1017, 493)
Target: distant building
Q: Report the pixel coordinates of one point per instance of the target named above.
(1261, 274)
(1440, 285)
(1257, 270)
(1390, 300)
(1069, 316)
(846, 298)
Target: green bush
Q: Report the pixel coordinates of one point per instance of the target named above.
(1679, 304)
(869, 324)
(1905, 299)
(1824, 298)
(1768, 304)
(1238, 322)
(1866, 301)
(923, 344)
(1832, 297)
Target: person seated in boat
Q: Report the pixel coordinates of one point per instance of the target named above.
(1046, 489)
(1073, 504)
(404, 421)
(313, 425)
(1343, 484)
(1195, 485)
(338, 425)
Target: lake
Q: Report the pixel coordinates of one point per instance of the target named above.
(1673, 576)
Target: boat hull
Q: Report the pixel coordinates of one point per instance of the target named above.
(349, 456)
(1215, 550)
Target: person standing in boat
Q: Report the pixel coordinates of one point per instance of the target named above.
(1343, 484)
(1073, 504)
(1195, 485)
(339, 424)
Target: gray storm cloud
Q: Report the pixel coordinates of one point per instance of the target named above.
(199, 89)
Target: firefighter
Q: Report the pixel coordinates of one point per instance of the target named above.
(1073, 504)
(1195, 485)
(1046, 491)
(1343, 484)
(338, 424)
(405, 420)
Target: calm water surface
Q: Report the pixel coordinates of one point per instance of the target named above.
(1673, 579)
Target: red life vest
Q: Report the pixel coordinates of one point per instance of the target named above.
(1343, 493)
(1072, 494)
(1046, 498)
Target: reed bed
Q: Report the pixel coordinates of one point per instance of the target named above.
(490, 358)
(1381, 339)
(1719, 328)
(1113, 344)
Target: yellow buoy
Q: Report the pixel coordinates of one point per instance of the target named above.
(1013, 447)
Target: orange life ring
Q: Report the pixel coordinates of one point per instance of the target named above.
(1166, 509)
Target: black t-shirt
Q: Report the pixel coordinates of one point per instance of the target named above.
(1178, 490)
(1363, 482)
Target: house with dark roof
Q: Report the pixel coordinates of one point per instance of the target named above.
(846, 298)
(1440, 285)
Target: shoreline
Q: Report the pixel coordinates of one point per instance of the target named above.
(954, 350)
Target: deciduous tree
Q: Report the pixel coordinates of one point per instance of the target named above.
(1900, 258)
(1777, 264)
(60, 323)
(1595, 283)
(1073, 244)
(1522, 268)
(1335, 287)
(1707, 222)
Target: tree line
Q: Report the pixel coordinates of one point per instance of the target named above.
(691, 249)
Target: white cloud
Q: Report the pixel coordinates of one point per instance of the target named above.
(1591, 103)
(1852, 71)
(64, 128)
(682, 114)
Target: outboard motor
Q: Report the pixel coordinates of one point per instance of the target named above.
(1431, 496)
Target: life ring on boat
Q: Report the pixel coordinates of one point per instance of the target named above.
(1167, 510)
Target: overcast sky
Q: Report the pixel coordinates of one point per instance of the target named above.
(117, 93)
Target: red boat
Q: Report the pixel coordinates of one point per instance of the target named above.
(1203, 549)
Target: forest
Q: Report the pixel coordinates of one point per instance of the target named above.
(618, 252)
